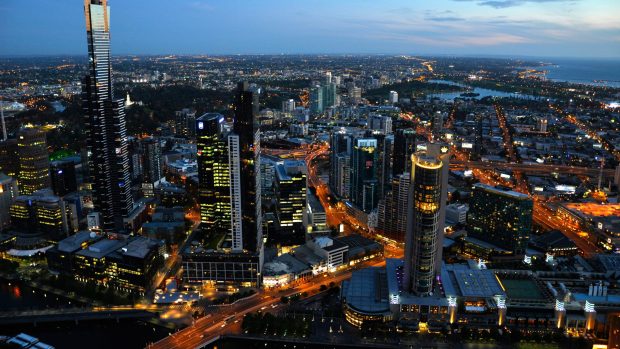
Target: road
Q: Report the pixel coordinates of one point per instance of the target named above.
(587, 129)
(546, 217)
(531, 168)
(208, 328)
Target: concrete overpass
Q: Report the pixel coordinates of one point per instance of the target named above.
(72, 314)
(532, 168)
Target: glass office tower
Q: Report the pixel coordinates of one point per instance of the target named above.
(500, 217)
(214, 174)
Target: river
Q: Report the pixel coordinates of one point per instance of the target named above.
(15, 296)
(482, 92)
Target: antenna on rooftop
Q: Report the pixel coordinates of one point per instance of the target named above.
(600, 174)
(4, 136)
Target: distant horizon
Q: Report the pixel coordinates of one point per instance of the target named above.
(426, 55)
(524, 28)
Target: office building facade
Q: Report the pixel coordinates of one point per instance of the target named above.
(63, 176)
(500, 217)
(291, 201)
(214, 174)
(34, 164)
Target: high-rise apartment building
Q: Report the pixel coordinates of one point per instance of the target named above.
(34, 163)
(426, 219)
(152, 167)
(105, 124)
(392, 212)
(500, 217)
(322, 97)
(185, 123)
(381, 123)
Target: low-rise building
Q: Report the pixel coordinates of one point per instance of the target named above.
(125, 263)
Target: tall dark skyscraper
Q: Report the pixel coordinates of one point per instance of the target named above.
(246, 127)
(426, 219)
(364, 183)
(404, 146)
(105, 124)
(63, 177)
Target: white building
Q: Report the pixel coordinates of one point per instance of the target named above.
(393, 97)
(456, 213)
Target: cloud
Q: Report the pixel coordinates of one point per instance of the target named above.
(202, 6)
(499, 4)
(445, 19)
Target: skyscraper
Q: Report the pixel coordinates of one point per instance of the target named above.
(214, 174)
(501, 217)
(8, 193)
(364, 166)
(63, 176)
(426, 219)
(404, 147)
(229, 247)
(34, 163)
(316, 100)
(291, 202)
(105, 124)
(339, 157)
(185, 123)
(9, 161)
(246, 128)
(392, 221)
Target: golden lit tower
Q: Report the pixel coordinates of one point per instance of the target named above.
(34, 163)
(426, 218)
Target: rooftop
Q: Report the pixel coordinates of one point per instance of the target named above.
(367, 290)
(75, 241)
(592, 209)
(499, 190)
(284, 264)
(611, 262)
(461, 280)
(138, 247)
(101, 248)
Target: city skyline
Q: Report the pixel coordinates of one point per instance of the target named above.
(447, 27)
(340, 200)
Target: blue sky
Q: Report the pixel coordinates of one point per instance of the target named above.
(572, 28)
